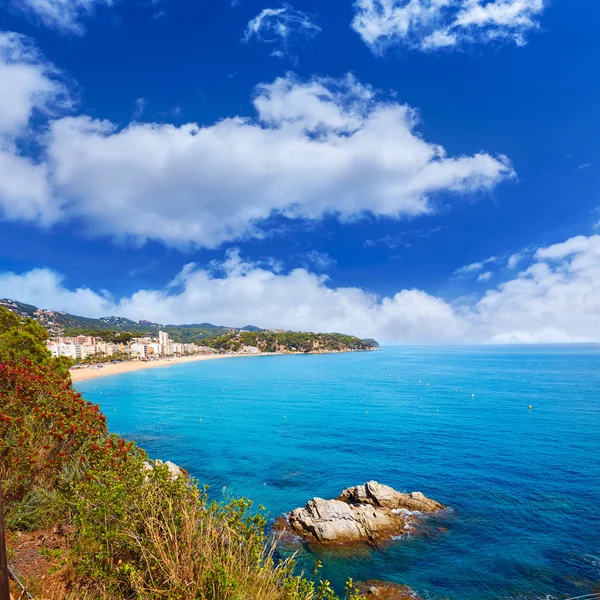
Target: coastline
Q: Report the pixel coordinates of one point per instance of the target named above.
(92, 372)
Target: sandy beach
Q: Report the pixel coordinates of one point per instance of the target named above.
(93, 371)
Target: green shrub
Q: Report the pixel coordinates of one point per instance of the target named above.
(39, 508)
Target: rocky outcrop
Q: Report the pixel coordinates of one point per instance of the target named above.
(377, 494)
(383, 590)
(174, 470)
(368, 513)
(335, 521)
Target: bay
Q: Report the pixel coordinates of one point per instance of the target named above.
(523, 485)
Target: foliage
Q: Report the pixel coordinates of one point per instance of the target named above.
(143, 534)
(39, 507)
(44, 426)
(100, 357)
(24, 338)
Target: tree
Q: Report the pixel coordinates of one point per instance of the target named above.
(26, 339)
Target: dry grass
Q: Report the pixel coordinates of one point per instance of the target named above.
(187, 548)
(190, 553)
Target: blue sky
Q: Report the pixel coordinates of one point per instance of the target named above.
(364, 166)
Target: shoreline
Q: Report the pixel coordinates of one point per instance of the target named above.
(128, 366)
(93, 372)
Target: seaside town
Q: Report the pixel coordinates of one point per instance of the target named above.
(82, 347)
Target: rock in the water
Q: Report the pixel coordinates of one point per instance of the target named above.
(367, 513)
(383, 590)
(383, 495)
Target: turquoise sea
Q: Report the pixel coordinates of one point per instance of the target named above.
(523, 485)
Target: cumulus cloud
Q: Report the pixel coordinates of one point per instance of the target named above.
(434, 24)
(315, 148)
(485, 276)
(30, 85)
(64, 15)
(282, 27)
(30, 88)
(556, 299)
(573, 246)
(318, 147)
(237, 292)
(45, 288)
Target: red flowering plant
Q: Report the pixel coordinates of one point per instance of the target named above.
(44, 426)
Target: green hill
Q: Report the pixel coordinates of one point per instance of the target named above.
(289, 341)
(113, 328)
(223, 339)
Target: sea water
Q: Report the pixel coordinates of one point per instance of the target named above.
(522, 485)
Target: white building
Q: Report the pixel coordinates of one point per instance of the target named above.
(144, 348)
(154, 349)
(62, 349)
(139, 349)
(191, 348)
(70, 350)
(164, 343)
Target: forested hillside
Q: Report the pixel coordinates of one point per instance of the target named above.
(289, 341)
(117, 329)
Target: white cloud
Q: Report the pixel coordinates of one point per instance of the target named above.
(31, 87)
(64, 15)
(281, 27)
(573, 246)
(140, 107)
(557, 299)
(434, 24)
(239, 292)
(69, 16)
(45, 288)
(318, 147)
(485, 276)
(439, 39)
(25, 192)
(320, 260)
(315, 148)
(515, 259)
(474, 267)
